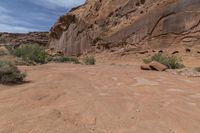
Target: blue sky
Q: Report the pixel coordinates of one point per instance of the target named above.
(32, 15)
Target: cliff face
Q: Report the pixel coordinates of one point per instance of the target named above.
(20, 38)
(127, 24)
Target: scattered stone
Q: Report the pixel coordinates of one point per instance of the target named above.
(160, 51)
(189, 72)
(175, 52)
(188, 50)
(143, 52)
(154, 65)
(145, 67)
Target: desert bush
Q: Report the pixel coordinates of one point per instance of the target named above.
(172, 62)
(197, 69)
(21, 62)
(31, 52)
(64, 59)
(89, 60)
(9, 73)
(4, 51)
(10, 48)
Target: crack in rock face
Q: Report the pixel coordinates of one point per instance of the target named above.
(102, 25)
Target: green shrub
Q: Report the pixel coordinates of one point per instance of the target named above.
(31, 52)
(197, 69)
(89, 60)
(172, 62)
(10, 48)
(64, 59)
(21, 62)
(9, 73)
(156, 57)
(4, 51)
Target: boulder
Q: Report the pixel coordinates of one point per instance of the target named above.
(154, 65)
(145, 67)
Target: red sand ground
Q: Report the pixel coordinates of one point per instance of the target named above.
(65, 98)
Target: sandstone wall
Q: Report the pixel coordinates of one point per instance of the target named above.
(113, 25)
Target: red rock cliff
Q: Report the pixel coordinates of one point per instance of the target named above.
(127, 24)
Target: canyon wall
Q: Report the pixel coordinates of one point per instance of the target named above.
(127, 25)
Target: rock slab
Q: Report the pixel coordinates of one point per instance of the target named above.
(154, 65)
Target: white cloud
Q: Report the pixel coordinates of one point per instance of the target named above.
(3, 10)
(7, 19)
(66, 3)
(14, 29)
(59, 3)
(16, 20)
(11, 24)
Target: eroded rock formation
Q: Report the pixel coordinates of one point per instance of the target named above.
(127, 25)
(20, 38)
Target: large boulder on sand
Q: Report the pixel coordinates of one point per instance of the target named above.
(145, 67)
(154, 65)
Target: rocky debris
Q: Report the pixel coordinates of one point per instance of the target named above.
(16, 39)
(154, 65)
(188, 72)
(101, 25)
(52, 52)
(145, 67)
(175, 52)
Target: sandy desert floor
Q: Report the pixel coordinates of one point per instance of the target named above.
(67, 98)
